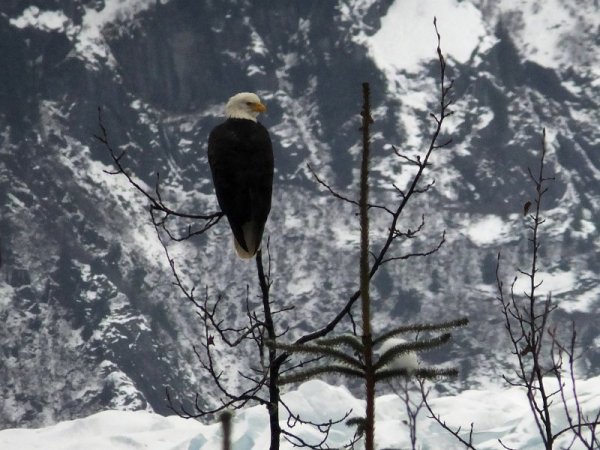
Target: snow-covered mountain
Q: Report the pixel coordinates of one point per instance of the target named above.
(90, 317)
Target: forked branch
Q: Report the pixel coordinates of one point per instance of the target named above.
(155, 199)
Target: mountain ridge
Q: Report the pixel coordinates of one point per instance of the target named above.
(92, 319)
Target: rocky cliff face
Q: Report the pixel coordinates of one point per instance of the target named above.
(90, 317)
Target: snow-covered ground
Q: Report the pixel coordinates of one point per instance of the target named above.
(495, 413)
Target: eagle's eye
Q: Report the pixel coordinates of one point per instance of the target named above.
(249, 103)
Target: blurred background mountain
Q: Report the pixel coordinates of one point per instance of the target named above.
(89, 317)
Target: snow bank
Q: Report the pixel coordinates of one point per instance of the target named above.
(495, 413)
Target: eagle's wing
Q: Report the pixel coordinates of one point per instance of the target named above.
(260, 184)
(240, 155)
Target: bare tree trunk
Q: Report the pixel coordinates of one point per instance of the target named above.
(226, 419)
(367, 337)
(274, 362)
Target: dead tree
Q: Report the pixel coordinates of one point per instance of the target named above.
(537, 350)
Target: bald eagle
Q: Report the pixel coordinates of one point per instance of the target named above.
(240, 155)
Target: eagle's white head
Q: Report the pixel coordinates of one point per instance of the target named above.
(244, 105)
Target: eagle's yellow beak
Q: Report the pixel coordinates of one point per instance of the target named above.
(259, 107)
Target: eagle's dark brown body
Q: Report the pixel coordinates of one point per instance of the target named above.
(240, 155)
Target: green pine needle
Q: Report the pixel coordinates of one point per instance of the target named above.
(308, 374)
(358, 422)
(329, 352)
(417, 346)
(354, 342)
(417, 328)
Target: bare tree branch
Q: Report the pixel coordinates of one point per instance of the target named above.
(468, 443)
(156, 202)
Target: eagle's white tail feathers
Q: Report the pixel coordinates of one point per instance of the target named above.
(240, 250)
(249, 236)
